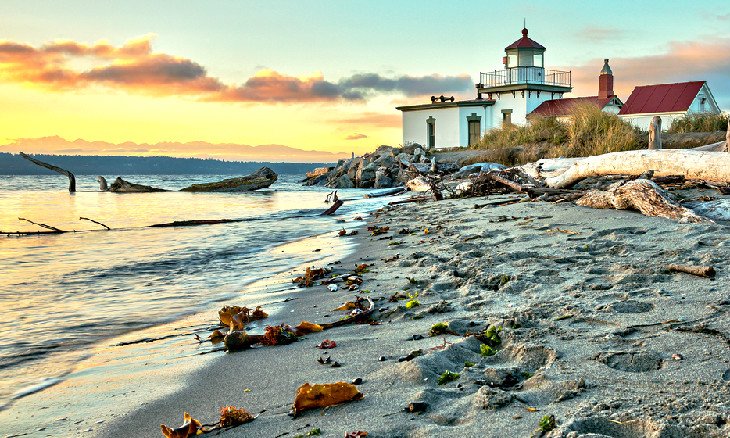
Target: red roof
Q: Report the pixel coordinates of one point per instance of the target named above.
(562, 107)
(661, 98)
(524, 43)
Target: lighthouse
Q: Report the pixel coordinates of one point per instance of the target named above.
(524, 83)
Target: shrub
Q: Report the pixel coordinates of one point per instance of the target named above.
(447, 377)
(589, 132)
(594, 132)
(700, 123)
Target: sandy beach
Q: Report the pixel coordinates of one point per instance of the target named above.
(595, 332)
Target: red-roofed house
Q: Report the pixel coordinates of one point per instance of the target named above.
(606, 100)
(669, 101)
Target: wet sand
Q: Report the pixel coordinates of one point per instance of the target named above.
(595, 331)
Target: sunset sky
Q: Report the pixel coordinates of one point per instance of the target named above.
(143, 77)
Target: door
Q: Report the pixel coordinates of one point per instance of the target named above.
(431, 133)
(474, 132)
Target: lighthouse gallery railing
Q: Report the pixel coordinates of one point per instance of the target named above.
(525, 75)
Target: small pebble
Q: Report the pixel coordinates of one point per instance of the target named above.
(357, 381)
(382, 358)
(417, 406)
(417, 337)
(677, 356)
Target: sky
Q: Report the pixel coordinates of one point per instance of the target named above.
(218, 78)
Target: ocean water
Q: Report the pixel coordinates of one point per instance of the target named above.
(62, 294)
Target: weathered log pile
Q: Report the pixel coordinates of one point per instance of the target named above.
(262, 178)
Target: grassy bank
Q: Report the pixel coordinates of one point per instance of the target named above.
(590, 132)
(700, 123)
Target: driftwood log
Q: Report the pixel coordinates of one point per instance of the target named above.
(700, 271)
(262, 178)
(642, 195)
(689, 163)
(121, 186)
(71, 177)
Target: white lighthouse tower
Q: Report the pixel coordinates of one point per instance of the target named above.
(523, 84)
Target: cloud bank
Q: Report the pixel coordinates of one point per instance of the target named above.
(194, 149)
(683, 61)
(134, 67)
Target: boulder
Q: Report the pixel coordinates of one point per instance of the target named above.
(343, 182)
(410, 147)
(262, 178)
(121, 186)
(382, 178)
(318, 172)
(366, 175)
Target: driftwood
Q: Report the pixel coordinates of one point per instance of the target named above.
(418, 184)
(121, 186)
(330, 211)
(71, 177)
(92, 220)
(385, 192)
(262, 178)
(655, 133)
(409, 200)
(642, 195)
(691, 164)
(102, 183)
(48, 227)
(196, 222)
(700, 271)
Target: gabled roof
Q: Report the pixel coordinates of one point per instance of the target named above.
(524, 43)
(562, 107)
(661, 98)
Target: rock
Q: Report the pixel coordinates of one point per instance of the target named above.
(492, 398)
(410, 148)
(121, 186)
(421, 167)
(476, 168)
(366, 175)
(417, 406)
(343, 182)
(382, 178)
(418, 184)
(318, 172)
(404, 159)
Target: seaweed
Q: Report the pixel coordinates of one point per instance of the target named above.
(412, 301)
(438, 329)
(189, 428)
(232, 416)
(278, 335)
(485, 350)
(319, 396)
(447, 377)
(547, 423)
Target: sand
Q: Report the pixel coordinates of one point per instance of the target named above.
(596, 332)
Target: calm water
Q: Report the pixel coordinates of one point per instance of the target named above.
(62, 293)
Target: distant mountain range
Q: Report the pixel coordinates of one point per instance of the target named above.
(274, 153)
(112, 166)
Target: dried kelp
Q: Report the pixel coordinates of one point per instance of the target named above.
(190, 428)
(322, 395)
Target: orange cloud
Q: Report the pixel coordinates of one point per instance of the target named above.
(683, 61)
(373, 119)
(356, 137)
(135, 67)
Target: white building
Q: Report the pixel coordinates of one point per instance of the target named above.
(669, 101)
(503, 97)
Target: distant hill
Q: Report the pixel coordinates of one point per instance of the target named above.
(112, 166)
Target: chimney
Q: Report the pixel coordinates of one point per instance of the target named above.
(605, 81)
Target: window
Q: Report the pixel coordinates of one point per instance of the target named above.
(474, 125)
(431, 130)
(512, 60)
(537, 60)
(506, 117)
(703, 100)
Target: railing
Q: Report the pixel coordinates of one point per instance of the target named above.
(525, 75)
